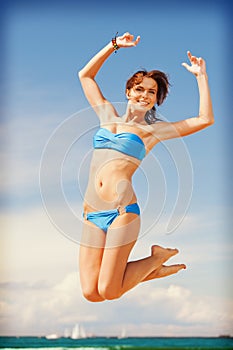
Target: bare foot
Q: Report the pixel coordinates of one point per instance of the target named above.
(164, 253)
(164, 271)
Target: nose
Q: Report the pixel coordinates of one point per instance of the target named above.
(145, 93)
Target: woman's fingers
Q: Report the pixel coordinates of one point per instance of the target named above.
(127, 40)
(128, 36)
(189, 55)
(192, 59)
(195, 60)
(185, 65)
(201, 61)
(137, 40)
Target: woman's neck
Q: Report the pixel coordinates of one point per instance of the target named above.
(134, 114)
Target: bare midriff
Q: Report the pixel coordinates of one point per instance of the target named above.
(110, 181)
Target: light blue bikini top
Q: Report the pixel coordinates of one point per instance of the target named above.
(124, 142)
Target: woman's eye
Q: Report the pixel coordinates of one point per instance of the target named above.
(138, 89)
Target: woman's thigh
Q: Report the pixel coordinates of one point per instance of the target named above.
(90, 255)
(120, 239)
(123, 231)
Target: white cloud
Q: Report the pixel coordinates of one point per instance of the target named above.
(164, 311)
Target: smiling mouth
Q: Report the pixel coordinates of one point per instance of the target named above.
(143, 103)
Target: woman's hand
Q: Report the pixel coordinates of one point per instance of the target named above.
(198, 66)
(127, 40)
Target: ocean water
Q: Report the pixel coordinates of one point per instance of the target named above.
(102, 343)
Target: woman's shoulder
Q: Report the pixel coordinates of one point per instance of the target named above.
(107, 113)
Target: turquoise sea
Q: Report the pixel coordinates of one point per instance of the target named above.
(103, 343)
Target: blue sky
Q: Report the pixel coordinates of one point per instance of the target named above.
(45, 46)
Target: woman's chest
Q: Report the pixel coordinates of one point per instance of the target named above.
(144, 132)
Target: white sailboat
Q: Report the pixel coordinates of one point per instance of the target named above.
(78, 332)
(123, 334)
(52, 336)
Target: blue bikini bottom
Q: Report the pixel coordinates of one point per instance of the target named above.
(103, 219)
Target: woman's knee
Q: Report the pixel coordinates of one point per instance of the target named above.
(91, 294)
(108, 292)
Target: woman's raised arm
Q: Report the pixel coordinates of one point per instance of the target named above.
(88, 73)
(205, 117)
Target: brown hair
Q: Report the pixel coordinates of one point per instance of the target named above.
(160, 78)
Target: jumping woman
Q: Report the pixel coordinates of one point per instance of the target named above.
(111, 213)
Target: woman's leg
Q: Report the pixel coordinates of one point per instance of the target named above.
(117, 275)
(90, 258)
(164, 271)
(136, 271)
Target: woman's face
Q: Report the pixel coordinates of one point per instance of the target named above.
(144, 94)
